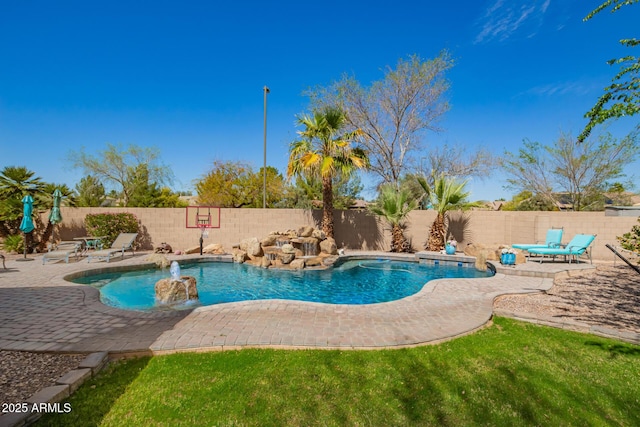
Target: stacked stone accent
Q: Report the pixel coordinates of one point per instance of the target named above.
(291, 249)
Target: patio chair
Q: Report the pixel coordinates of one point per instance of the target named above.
(124, 242)
(578, 246)
(553, 240)
(62, 250)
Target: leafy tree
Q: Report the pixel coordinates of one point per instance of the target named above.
(394, 205)
(395, 113)
(446, 194)
(456, 160)
(110, 225)
(622, 97)
(236, 185)
(116, 166)
(617, 195)
(526, 201)
(325, 150)
(579, 170)
(90, 191)
(15, 183)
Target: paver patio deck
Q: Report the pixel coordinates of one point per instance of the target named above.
(40, 311)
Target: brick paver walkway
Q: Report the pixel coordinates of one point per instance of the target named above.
(40, 311)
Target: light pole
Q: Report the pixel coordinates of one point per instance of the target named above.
(264, 168)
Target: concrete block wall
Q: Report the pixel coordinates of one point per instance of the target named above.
(358, 229)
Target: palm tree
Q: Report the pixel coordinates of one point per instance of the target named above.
(394, 206)
(447, 194)
(15, 183)
(324, 150)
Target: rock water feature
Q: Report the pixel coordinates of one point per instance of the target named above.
(291, 249)
(177, 289)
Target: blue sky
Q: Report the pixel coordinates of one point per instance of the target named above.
(187, 77)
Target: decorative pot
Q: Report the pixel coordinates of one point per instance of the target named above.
(508, 259)
(450, 249)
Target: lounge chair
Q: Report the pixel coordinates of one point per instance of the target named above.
(578, 246)
(553, 240)
(62, 250)
(124, 242)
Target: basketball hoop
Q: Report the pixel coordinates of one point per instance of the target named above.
(204, 218)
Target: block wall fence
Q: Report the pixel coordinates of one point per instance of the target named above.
(358, 229)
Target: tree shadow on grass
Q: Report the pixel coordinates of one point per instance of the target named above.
(615, 349)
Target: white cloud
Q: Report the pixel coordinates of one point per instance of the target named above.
(503, 19)
(560, 89)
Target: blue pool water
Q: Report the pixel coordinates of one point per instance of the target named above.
(353, 282)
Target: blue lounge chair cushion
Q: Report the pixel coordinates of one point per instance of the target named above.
(553, 240)
(577, 246)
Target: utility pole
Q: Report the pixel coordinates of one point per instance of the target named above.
(264, 168)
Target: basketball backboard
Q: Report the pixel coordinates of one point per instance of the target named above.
(202, 217)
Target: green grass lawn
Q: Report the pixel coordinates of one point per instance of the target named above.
(508, 374)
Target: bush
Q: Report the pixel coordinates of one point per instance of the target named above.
(110, 225)
(631, 240)
(14, 243)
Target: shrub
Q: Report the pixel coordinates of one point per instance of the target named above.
(14, 243)
(631, 240)
(110, 225)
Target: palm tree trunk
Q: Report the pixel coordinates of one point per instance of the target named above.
(327, 206)
(398, 241)
(436, 235)
(42, 245)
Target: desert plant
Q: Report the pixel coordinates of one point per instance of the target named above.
(631, 240)
(13, 243)
(110, 225)
(394, 206)
(447, 194)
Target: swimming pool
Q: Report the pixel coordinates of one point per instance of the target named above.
(352, 282)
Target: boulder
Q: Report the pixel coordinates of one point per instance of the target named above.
(313, 262)
(251, 246)
(288, 248)
(330, 260)
(265, 262)
(305, 231)
(270, 240)
(328, 246)
(319, 234)
(159, 260)
(169, 291)
(491, 252)
(297, 264)
(213, 248)
(286, 258)
(481, 261)
(239, 256)
(193, 250)
(164, 248)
